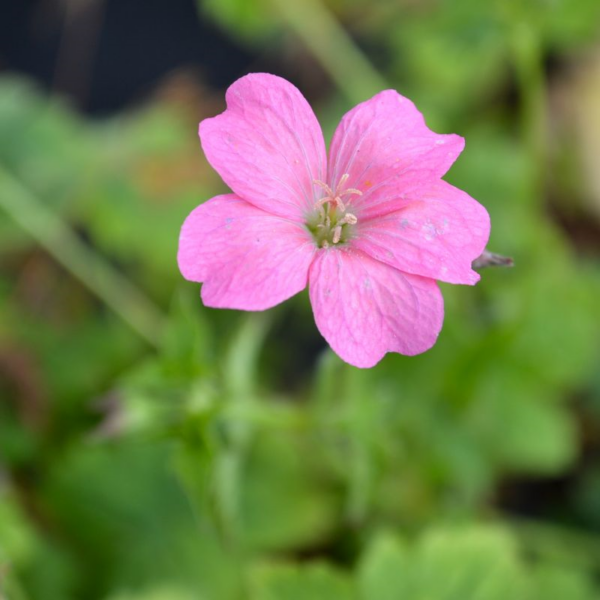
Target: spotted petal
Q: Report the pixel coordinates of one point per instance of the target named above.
(438, 234)
(365, 308)
(386, 148)
(267, 146)
(247, 259)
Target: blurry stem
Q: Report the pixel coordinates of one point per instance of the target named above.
(52, 233)
(331, 45)
(240, 368)
(531, 81)
(237, 418)
(189, 466)
(343, 408)
(360, 430)
(240, 364)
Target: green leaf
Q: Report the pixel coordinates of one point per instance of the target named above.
(285, 502)
(555, 583)
(162, 592)
(476, 563)
(316, 581)
(508, 410)
(470, 563)
(384, 570)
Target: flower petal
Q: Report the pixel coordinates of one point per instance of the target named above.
(386, 148)
(247, 259)
(365, 308)
(437, 235)
(267, 146)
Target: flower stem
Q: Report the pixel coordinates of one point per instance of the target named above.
(51, 232)
(239, 370)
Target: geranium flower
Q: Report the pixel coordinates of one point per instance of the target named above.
(369, 231)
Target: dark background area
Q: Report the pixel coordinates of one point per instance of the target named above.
(107, 55)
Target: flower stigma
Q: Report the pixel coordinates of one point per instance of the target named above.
(330, 222)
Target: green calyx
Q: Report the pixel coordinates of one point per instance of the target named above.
(330, 226)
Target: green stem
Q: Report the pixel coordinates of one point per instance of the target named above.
(240, 368)
(51, 232)
(360, 431)
(331, 45)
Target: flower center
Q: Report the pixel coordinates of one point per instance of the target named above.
(330, 222)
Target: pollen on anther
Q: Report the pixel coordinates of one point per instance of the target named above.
(349, 219)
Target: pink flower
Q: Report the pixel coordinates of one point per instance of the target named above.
(369, 230)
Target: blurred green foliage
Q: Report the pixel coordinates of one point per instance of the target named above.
(220, 455)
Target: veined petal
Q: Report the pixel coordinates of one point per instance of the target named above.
(438, 234)
(365, 308)
(247, 258)
(267, 146)
(387, 149)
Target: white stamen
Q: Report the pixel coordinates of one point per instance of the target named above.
(323, 185)
(353, 191)
(335, 212)
(349, 219)
(335, 196)
(337, 234)
(339, 203)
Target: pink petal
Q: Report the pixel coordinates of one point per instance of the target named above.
(247, 259)
(267, 146)
(386, 148)
(437, 235)
(365, 308)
